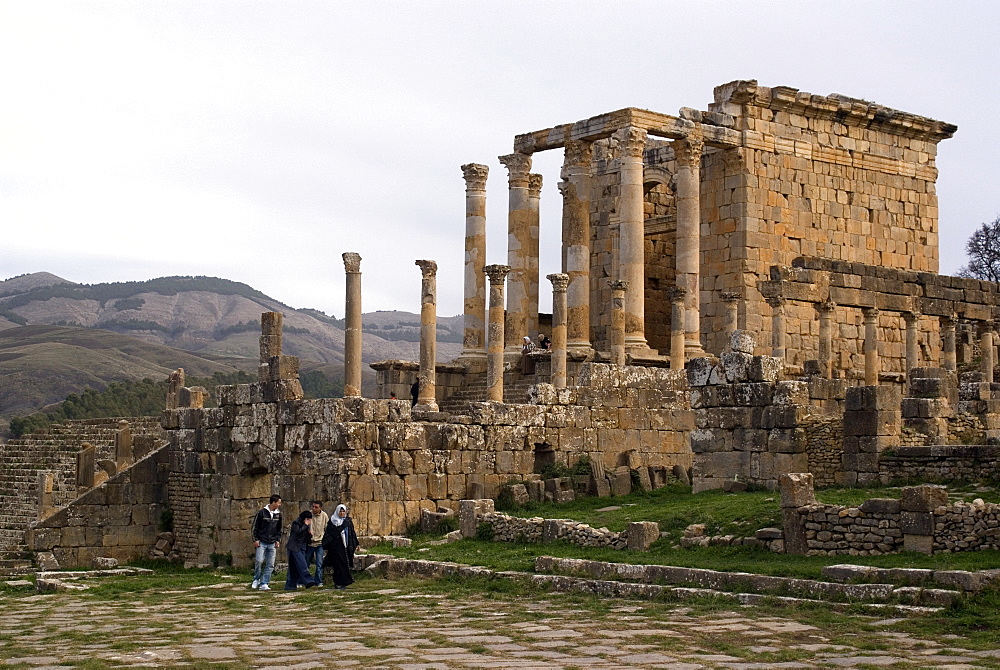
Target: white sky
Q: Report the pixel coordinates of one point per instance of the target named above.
(257, 141)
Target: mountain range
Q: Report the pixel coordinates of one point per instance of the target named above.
(59, 337)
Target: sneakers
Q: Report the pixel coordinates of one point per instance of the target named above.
(263, 587)
(254, 584)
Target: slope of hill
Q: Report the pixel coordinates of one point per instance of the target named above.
(58, 337)
(210, 315)
(40, 365)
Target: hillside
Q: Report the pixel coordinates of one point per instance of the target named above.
(59, 337)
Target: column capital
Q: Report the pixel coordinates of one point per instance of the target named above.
(518, 166)
(631, 140)
(825, 307)
(618, 284)
(676, 294)
(352, 262)
(776, 302)
(560, 281)
(688, 150)
(911, 317)
(427, 268)
(578, 154)
(496, 273)
(870, 312)
(475, 175)
(949, 321)
(534, 185)
(729, 296)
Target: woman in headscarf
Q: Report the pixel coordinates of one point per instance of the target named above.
(527, 362)
(298, 539)
(339, 543)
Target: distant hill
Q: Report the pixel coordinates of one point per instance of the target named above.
(58, 337)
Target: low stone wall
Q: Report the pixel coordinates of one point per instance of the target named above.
(971, 526)
(119, 518)
(867, 530)
(942, 463)
(515, 529)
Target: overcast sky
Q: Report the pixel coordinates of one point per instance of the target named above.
(257, 141)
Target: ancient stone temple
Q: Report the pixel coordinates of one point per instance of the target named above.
(746, 291)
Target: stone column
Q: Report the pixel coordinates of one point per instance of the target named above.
(352, 326)
(732, 302)
(531, 257)
(912, 353)
(688, 249)
(619, 293)
(428, 336)
(826, 309)
(632, 243)
(560, 282)
(871, 346)
(575, 190)
(474, 337)
(964, 347)
(495, 336)
(518, 249)
(949, 361)
(677, 332)
(123, 445)
(986, 349)
(777, 327)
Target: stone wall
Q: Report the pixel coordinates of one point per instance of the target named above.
(120, 518)
(823, 437)
(942, 463)
(748, 425)
(374, 456)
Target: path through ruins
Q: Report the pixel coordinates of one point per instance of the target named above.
(418, 625)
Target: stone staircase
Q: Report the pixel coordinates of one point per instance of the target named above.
(53, 450)
(515, 390)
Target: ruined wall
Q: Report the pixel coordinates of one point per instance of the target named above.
(372, 455)
(942, 463)
(119, 518)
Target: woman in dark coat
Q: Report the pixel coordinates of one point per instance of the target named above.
(339, 543)
(298, 539)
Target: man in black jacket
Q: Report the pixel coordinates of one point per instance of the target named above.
(266, 533)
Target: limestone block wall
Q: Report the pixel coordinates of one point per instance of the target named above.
(119, 518)
(942, 463)
(823, 437)
(748, 424)
(387, 467)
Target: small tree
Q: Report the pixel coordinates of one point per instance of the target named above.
(983, 249)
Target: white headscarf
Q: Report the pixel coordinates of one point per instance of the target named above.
(336, 519)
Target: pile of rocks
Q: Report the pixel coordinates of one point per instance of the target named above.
(638, 536)
(164, 547)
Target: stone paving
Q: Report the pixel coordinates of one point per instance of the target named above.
(412, 625)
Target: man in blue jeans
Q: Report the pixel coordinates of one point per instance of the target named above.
(314, 552)
(266, 531)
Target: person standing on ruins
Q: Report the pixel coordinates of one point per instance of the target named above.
(527, 362)
(314, 552)
(266, 532)
(340, 541)
(298, 540)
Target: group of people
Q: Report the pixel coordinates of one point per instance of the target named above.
(527, 362)
(314, 538)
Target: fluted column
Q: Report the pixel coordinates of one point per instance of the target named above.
(632, 249)
(518, 248)
(777, 327)
(825, 310)
(677, 333)
(732, 301)
(474, 336)
(352, 325)
(495, 336)
(949, 361)
(619, 293)
(688, 155)
(575, 190)
(986, 350)
(560, 281)
(872, 363)
(912, 319)
(428, 336)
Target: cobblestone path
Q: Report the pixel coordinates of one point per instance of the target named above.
(409, 625)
